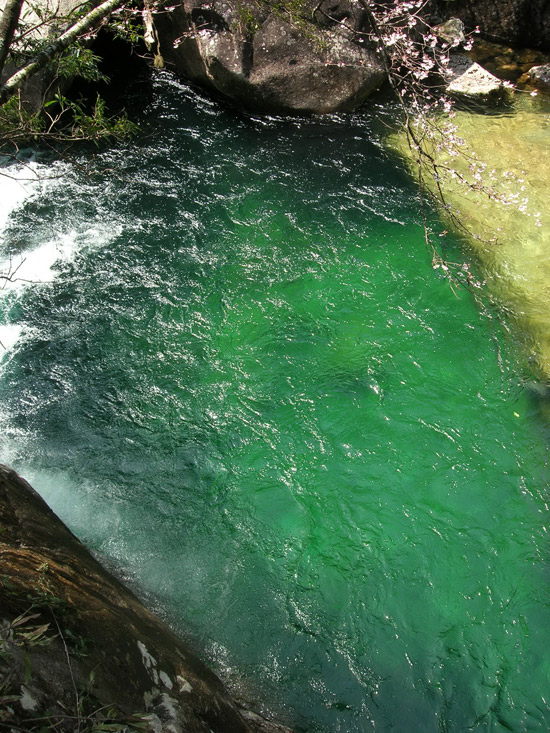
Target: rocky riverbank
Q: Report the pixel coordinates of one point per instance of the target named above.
(316, 57)
(299, 56)
(78, 650)
(312, 60)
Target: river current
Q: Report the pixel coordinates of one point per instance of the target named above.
(230, 367)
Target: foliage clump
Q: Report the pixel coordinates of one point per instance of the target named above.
(42, 44)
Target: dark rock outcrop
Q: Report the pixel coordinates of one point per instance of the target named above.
(520, 23)
(266, 60)
(78, 649)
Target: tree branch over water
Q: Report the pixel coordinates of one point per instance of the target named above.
(88, 23)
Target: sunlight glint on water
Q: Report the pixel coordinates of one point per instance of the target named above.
(250, 391)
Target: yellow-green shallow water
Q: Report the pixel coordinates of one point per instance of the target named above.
(510, 229)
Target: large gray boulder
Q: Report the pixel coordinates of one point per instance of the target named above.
(268, 61)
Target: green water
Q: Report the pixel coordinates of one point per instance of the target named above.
(245, 387)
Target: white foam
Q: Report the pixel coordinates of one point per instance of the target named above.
(24, 270)
(37, 265)
(17, 183)
(9, 336)
(40, 265)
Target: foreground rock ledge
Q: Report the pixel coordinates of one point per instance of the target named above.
(77, 648)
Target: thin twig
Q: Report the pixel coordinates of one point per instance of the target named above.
(77, 696)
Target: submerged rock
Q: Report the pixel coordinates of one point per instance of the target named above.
(78, 648)
(505, 220)
(269, 60)
(511, 64)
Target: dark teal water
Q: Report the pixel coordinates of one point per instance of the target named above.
(245, 386)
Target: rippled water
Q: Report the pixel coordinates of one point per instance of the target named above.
(243, 384)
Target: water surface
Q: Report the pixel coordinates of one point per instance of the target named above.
(243, 384)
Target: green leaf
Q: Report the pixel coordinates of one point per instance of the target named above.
(20, 620)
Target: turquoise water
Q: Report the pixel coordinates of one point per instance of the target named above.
(244, 386)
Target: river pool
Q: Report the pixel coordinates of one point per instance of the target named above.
(230, 367)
